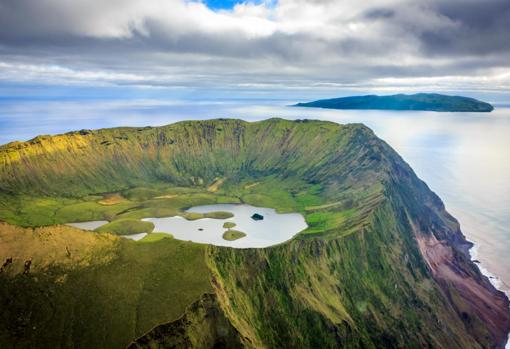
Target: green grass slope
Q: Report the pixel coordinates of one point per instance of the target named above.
(104, 299)
(367, 289)
(185, 153)
(203, 325)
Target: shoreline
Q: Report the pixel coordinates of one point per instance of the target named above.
(493, 279)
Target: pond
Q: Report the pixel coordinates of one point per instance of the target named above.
(92, 225)
(273, 229)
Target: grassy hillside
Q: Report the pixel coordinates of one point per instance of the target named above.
(370, 288)
(185, 153)
(382, 264)
(203, 325)
(92, 290)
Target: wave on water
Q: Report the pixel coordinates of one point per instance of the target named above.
(494, 280)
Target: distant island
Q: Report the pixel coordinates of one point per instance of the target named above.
(419, 101)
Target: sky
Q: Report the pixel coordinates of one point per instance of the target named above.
(223, 4)
(268, 48)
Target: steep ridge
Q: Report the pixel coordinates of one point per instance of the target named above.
(203, 325)
(371, 288)
(386, 267)
(185, 153)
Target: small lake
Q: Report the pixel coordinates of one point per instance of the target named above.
(90, 225)
(275, 228)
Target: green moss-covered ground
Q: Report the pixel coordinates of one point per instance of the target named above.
(106, 305)
(126, 227)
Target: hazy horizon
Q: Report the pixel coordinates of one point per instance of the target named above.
(92, 59)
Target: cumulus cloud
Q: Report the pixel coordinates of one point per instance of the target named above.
(284, 43)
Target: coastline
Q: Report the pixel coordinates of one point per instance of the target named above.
(493, 279)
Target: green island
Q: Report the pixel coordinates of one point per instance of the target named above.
(418, 101)
(381, 264)
(229, 225)
(232, 235)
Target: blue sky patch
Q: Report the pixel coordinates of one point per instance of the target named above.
(229, 4)
(222, 4)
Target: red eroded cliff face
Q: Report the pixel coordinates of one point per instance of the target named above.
(483, 310)
(468, 292)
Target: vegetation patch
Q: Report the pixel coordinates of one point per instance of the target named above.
(251, 185)
(35, 211)
(111, 199)
(232, 235)
(168, 196)
(203, 325)
(45, 247)
(141, 193)
(229, 225)
(216, 185)
(152, 237)
(193, 216)
(107, 304)
(323, 221)
(219, 215)
(127, 227)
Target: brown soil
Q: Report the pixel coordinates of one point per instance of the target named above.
(468, 290)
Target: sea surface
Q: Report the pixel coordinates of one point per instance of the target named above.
(463, 157)
(274, 229)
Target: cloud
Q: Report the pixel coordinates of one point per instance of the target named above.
(287, 43)
(481, 28)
